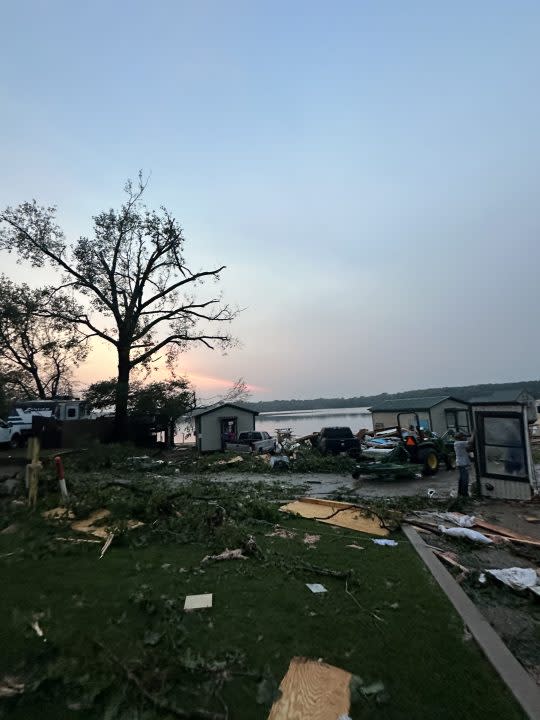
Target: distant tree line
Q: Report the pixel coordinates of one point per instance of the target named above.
(462, 392)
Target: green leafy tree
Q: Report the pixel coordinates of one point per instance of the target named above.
(170, 398)
(141, 294)
(173, 398)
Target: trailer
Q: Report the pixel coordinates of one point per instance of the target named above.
(18, 427)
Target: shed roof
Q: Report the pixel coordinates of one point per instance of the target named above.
(218, 406)
(413, 403)
(503, 396)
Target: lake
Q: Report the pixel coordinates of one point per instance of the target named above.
(303, 422)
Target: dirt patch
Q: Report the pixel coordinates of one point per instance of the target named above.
(514, 615)
(512, 515)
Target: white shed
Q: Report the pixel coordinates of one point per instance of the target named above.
(437, 413)
(220, 423)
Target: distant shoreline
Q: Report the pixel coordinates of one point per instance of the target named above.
(313, 411)
(462, 392)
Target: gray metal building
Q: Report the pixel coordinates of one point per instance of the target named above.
(215, 423)
(437, 413)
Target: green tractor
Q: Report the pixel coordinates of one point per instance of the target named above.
(419, 448)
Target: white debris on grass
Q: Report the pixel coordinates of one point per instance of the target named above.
(316, 587)
(197, 602)
(466, 534)
(466, 521)
(515, 577)
(380, 541)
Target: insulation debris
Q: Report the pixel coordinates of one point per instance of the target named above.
(10, 686)
(233, 461)
(227, 554)
(515, 577)
(465, 534)
(281, 533)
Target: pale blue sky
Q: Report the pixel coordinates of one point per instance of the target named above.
(368, 170)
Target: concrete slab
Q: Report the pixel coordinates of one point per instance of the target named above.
(325, 484)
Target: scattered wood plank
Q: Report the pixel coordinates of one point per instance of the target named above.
(451, 559)
(312, 690)
(106, 545)
(506, 532)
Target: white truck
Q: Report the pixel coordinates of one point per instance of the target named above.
(254, 441)
(18, 427)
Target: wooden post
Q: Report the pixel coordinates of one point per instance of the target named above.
(32, 470)
(61, 478)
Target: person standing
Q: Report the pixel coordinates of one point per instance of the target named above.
(462, 447)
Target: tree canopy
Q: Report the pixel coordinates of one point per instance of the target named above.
(37, 353)
(140, 293)
(173, 398)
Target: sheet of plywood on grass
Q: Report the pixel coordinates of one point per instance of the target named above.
(89, 524)
(312, 690)
(336, 513)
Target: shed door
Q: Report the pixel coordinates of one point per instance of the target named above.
(503, 460)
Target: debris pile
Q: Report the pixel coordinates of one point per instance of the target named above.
(497, 567)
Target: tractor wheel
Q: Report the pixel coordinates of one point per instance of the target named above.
(450, 461)
(429, 460)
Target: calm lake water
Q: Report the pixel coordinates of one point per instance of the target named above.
(303, 422)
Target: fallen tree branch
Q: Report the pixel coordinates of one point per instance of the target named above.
(158, 702)
(364, 609)
(148, 490)
(317, 569)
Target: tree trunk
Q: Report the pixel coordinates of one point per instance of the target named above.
(42, 395)
(121, 399)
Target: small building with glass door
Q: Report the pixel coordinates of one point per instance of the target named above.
(503, 457)
(221, 423)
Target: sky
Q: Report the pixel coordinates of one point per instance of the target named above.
(368, 172)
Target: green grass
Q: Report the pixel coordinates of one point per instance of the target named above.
(131, 601)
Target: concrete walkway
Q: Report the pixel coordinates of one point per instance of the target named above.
(324, 484)
(518, 680)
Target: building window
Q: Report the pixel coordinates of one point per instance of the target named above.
(457, 420)
(72, 412)
(502, 447)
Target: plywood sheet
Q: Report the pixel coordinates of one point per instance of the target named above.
(340, 514)
(312, 690)
(88, 525)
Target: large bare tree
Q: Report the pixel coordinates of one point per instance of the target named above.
(37, 352)
(141, 295)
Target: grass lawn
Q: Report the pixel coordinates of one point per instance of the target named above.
(115, 627)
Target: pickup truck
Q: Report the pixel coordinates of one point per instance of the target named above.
(10, 435)
(259, 442)
(335, 440)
